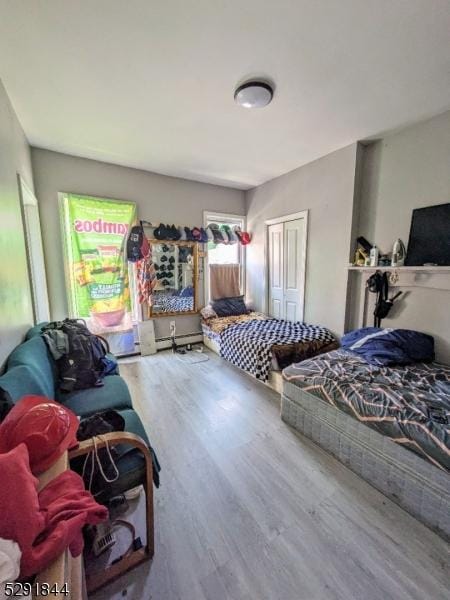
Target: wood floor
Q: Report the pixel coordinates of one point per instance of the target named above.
(248, 510)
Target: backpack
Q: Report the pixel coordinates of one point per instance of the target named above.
(137, 244)
(84, 364)
(378, 284)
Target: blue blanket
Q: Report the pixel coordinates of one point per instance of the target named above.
(389, 346)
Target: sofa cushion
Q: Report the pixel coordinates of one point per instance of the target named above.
(133, 424)
(113, 394)
(130, 461)
(34, 354)
(22, 381)
(36, 330)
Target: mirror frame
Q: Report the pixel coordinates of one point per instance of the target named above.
(181, 313)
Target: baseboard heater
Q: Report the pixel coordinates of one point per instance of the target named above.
(181, 339)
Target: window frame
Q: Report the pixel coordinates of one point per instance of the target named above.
(229, 219)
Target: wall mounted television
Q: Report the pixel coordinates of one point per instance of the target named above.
(429, 236)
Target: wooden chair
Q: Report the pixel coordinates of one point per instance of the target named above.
(115, 570)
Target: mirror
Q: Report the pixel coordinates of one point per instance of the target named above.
(176, 265)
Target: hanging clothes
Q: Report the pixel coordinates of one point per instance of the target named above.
(146, 278)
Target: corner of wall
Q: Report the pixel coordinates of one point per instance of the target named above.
(15, 301)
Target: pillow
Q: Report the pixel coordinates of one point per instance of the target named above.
(230, 307)
(389, 346)
(208, 312)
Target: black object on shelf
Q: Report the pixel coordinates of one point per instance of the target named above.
(429, 236)
(365, 245)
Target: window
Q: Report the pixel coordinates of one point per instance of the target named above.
(224, 254)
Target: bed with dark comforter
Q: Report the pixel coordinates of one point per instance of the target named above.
(408, 405)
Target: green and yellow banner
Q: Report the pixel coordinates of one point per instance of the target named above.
(95, 234)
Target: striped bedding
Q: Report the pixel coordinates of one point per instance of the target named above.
(409, 404)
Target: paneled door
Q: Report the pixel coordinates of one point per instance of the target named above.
(294, 232)
(286, 273)
(276, 271)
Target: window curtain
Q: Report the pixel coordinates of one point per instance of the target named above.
(224, 281)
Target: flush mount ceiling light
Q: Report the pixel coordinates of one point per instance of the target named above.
(254, 94)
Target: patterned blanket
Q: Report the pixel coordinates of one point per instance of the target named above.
(249, 344)
(219, 324)
(410, 404)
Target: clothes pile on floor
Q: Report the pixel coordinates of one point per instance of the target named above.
(34, 434)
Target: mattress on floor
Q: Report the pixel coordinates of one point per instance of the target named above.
(258, 343)
(215, 338)
(408, 404)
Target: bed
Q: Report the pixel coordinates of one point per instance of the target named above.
(263, 346)
(391, 425)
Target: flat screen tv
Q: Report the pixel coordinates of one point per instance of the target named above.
(429, 236)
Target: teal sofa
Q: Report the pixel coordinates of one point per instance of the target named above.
(30, 369)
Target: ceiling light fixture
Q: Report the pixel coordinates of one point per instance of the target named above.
(254, 94)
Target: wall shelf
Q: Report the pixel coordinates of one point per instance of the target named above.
(402, 269)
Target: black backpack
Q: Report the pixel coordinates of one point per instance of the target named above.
(136, 243)
(378, 283)
(83, 365)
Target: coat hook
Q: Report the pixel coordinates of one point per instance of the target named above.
(393, 277)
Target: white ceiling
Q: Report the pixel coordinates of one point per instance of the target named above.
(150, 84)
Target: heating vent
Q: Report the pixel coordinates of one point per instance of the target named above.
(180, 336)
(182, 339)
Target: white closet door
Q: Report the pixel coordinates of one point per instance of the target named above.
(276, 271)
(294, 247)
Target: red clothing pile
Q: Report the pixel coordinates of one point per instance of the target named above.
(44, 524)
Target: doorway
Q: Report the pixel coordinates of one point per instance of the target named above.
(35, 252)
(286, 266)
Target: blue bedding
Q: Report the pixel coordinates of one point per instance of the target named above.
(389, 346)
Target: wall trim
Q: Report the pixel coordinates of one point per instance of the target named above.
(303, 214)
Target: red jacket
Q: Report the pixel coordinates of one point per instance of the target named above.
(44, 524)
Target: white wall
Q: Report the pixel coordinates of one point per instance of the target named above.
(159, 198)
(326, 187)
(16, 312)
(406, 170)
(348, 193)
